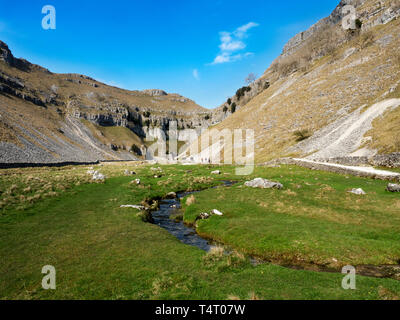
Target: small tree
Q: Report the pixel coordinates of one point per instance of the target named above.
(250, 78)
(225, 109)
(233, 107)
(241, 92)
(229, 101)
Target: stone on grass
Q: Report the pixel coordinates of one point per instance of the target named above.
(171, 195)
(392, 187)
(358, 191)
(134, 206)
(216, 172)
(204, 215)
(98, 176)
(136, 181)
(129, 173)
(263, 184)
(217, 212)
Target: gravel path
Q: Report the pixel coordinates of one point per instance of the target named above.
(361, 171)
(344, 136)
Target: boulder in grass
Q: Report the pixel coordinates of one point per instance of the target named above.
(171, 195)
(216, 172)
(392, 187)
(217, 212)
(98, 176)
(263, 184)
(204, 215)
(136, 181)
(358, 191)
(133, 206)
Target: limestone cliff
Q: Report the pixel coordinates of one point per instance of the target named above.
(332, 92)
(49, 117)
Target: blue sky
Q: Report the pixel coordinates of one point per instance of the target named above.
(202, 49)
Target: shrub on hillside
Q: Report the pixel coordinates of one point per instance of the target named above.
(233, 107)
(302, 134)
(225, 109)
(241, 92)
(365, 40)
(229, 101)
(136, 149)
(288, 66)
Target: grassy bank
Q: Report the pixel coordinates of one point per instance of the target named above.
(101, 251)
(313, 219)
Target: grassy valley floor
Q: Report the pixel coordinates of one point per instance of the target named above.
(59, 217)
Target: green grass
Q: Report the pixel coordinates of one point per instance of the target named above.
(313, 220)
(101, 251)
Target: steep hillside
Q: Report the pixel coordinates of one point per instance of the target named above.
(333, 92)
(48, 117)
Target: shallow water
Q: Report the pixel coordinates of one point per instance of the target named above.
(189, 236)
(182, 232)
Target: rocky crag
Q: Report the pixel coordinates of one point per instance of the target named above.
(47, 117)
(333, 92)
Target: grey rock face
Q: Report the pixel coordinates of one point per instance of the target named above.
(335, 17)
(155, 92)
(393, 187)
(14, 86)
(22, 64)
(263, 184)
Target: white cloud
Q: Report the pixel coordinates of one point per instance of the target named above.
(232, 42)
(241, 31)
(196, 74)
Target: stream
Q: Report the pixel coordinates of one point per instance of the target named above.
(178, 229)
(188, 235)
